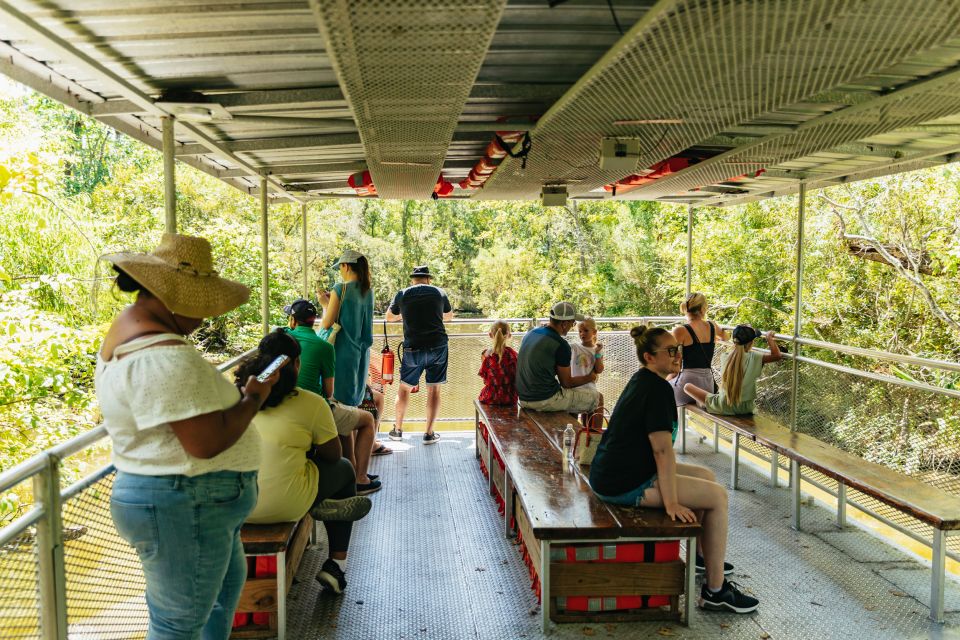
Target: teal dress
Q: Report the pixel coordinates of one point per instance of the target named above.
(353, 343)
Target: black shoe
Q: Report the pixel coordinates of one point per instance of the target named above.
(347, 510)
(729, 598)
(431, 438)
(702, 566)
(332, 577)
(371, 487)
(372, 476)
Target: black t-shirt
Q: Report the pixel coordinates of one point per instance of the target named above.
(624, 459)
(422, 307)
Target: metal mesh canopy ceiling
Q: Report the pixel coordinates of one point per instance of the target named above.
(752, 95)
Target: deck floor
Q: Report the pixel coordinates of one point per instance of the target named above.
(431, 562)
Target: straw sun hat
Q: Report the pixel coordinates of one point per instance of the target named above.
(180, 274)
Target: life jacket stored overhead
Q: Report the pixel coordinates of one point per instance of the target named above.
(362, 183)
(657, 171)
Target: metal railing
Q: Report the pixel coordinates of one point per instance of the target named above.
(65, 572)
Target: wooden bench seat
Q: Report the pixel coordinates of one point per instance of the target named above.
(923, 501)
(554, 507)
(286, 542)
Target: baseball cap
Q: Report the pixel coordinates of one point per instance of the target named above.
(301, 309)
(745, 334)
(349, 257)
(565, 311)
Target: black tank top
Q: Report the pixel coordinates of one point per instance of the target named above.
(698, 355)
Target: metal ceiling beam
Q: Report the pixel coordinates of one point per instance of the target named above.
(333, 96)
(274, 144)
(819, 180)
(690, 176)
(56, 45)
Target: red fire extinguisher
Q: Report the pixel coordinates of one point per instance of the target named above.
(386, 355)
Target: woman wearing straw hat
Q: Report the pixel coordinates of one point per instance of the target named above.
(186, 460)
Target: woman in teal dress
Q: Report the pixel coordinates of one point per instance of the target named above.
(350, 304)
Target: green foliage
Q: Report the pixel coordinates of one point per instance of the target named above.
(71, 190)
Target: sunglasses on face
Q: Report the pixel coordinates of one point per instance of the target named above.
(673, 351)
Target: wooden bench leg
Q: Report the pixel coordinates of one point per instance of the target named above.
(545, 599)
(716, 438)
(282, 595)
(937, 582)
(774, 469)
(735, 464)
(795, 473)
(507, 503)
(841, 505)
(690, 579)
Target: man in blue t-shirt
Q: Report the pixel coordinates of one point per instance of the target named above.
(423, 309)
(544, 382)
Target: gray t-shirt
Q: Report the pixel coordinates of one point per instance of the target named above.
(541, 351)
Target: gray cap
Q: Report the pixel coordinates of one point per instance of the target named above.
(565, 311)
(349, 257)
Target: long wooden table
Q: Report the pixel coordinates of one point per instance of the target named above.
(553, 505)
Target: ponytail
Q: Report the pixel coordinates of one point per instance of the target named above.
(731, 378)
(645, 339)
(362, 268)
(499, 330)
(695, 304)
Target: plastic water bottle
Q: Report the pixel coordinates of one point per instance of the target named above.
(568, 435)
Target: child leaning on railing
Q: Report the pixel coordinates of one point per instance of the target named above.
(739, 371)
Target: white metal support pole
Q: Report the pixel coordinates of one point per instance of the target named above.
(774, 468)
(795, 475)
(797, 315)
(264, 257)
(735, 462)
(937, 581)
(689, 248)
(682, 419)
(797, 301)
(306, 270)
(51, 574)
(841, 505)
(169, 176)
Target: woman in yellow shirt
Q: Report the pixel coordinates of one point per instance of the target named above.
(301, 463)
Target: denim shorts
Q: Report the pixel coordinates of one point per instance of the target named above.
(186, 531)
(632, 498)
(416, 361)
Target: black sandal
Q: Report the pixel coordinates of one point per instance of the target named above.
(381, 450)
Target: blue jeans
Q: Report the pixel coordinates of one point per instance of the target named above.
(632, 498)
(186, 531)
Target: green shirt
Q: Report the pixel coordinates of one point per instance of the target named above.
(317, 359)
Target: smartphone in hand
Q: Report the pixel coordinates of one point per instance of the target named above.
(278, 362)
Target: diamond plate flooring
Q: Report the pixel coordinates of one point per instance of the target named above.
(431, 562)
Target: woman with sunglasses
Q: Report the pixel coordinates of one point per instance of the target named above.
(635, 466)
(698, 337)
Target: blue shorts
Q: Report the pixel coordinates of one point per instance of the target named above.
(416, 361)
(632, 498)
